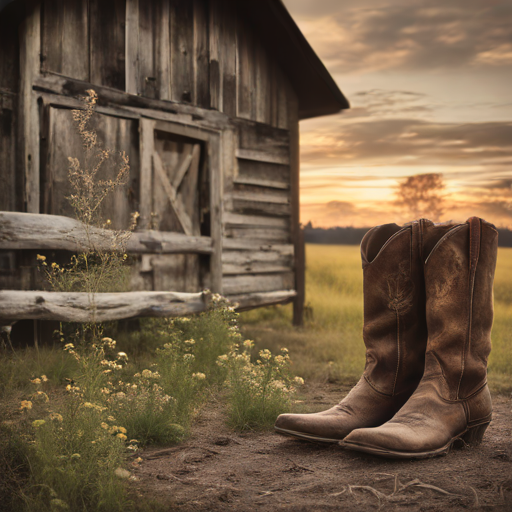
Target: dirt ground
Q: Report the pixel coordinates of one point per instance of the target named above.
(217, 469)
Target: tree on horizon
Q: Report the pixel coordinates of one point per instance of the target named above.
(421, 195)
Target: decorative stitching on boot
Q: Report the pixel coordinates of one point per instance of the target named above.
(400, 290)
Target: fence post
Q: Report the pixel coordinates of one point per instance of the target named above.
(300, 279)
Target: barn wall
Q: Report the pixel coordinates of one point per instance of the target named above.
(197, 53)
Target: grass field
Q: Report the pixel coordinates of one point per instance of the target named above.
(330, 347)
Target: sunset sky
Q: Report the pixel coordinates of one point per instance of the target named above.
(430, 85)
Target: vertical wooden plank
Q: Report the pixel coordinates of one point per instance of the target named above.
(7, 155)
(201, 54)
(230, 167)
(30, 49)
(66, 38)
(182, 51)
(283, 91)
(9, 54)
(274, 105)
(107, 41)
(146, 149)
(46, 167)
(147, 85)
(163, 51)
(223, 57)
(228, 59)
(293, 116)
(263, 94)
(214, 55)
(300, 279)
(245, 73)
(132, 46)
(215, 150)
(63, 142)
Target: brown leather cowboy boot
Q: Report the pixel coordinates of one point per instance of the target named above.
(452, 401)
(394, 334)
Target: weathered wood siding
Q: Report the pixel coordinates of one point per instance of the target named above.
(194, 51)
(196, 66)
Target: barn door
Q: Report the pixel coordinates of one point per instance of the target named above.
(177, 166)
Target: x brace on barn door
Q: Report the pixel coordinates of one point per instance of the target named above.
(171, 189)
(170, 176)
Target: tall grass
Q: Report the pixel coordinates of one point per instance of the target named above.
(330, 346)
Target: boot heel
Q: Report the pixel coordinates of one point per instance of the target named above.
(474, 435)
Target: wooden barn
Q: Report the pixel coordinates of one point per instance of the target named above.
(205, 97)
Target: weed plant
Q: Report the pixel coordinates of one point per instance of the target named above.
(258, 391)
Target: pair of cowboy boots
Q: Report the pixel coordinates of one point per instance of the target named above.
(428, 311)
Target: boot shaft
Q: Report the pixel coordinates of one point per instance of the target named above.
(394, 329)
(459, 273)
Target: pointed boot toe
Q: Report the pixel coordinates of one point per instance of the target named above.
(310, 427)
(427, 426)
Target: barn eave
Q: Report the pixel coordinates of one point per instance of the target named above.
(317, 92)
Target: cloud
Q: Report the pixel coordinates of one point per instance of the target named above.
(443, 34)
(406, 141)
(504, 185)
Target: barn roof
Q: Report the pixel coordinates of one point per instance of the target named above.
(317, 91)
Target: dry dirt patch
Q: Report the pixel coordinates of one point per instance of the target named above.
(217, 469)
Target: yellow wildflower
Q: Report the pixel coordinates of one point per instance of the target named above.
(122, 355)
(26, 404)
(199, 376)
(122, 437)
(40, 257)
(44, 378)
(38, 423)
(121, 429)
(36, 381)
(265, 354)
